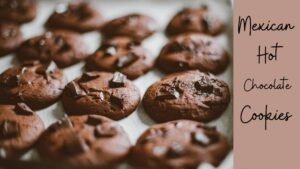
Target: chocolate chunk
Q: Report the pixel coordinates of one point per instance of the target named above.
(62, 123)
(167, 93)
(133, 44)
(74, 90)
(91, 120)
(23, 109)
(11, 81)
(88, 76)
(204, 85)
(105, 131)
(47, 69)
(176, 47)
(207, 22)
(118, 80)
(200, 138)
(75, 145)
(126, 60)
(7, 33)
(61, 8)
(159, 150)
(8, 129)
(110, 51)
(101, 96)
(116, 100)
(204, 139)
(187, 19)
(176, 150)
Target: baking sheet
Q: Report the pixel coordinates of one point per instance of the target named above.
(161, 11)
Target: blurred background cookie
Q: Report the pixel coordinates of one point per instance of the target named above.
(194, 20)
(19, 11)
(63, 47)
(76, 16)
(10, 37)
(136, 26)
(123, 55)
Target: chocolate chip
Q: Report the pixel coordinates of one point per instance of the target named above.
(61, 8)
(207, 21)
(118, 80)
(91, 120)
(75, 145)
(8, 129)
(116, 100)
(204, 85)
(11, 81)
(133, 44)
(159, 150)
(88, 76)
(47, 69)
(105, 131)
(167, 93)
(204, 6)
(7, 33)
(203, 139)
(126, 60)
(65, 122)
(175, 47)
(110, 51)
(23, 109)
(187, 19)
(74, 90)
(59, 40)
(200, 138)
(176, 150)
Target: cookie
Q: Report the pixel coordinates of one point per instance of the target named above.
(193, 51)
(194, 20)
(179, 144)
(85, 141)
(123, 55)
(10, 38)
(190, 95)
(135, 26)
(18, 11)
(63, 47)
(106, 94)
(20, 128)
(76, 16)
(38, 85)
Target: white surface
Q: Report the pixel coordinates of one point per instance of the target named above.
(160, 10)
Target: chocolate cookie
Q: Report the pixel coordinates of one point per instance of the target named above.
(121, 54)
(87, 141)
(179, 144)
(192, 51)
(38, 85)
(10, 38)
(194, 20)
(19, 11)
(107, 94)
(76, 16)
(63, 47)
(20, 128)
(188, 95)
(135, 26)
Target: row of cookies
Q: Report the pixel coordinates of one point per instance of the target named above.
(96, 141)
(121, 50)
(187, 95)
(79, 16)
